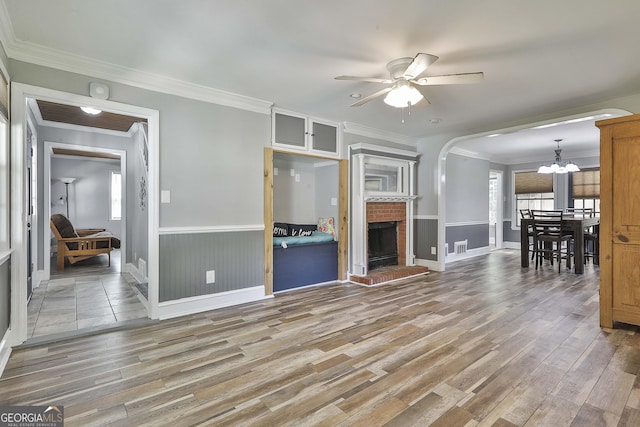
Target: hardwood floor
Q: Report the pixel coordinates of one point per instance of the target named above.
(484, 343)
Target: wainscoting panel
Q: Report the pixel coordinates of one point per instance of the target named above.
(236, 257)
(477, 235)
(426, 237)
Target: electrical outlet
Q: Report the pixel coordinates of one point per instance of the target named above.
(297, 177)
(334, 201)
(433, 250)
(211, 276)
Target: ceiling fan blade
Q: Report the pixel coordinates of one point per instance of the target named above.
(418, 65)
(450, 79)
(423, 91)
(371, 97)
(364, 79)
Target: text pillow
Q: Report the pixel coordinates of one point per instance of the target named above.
(280, 229)
(301, 229)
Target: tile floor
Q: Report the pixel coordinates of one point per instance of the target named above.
(74, 303)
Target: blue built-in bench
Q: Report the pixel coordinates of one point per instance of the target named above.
(303, 256)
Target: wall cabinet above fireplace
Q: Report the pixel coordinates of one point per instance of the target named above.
(294, 132)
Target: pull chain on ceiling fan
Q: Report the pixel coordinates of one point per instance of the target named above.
(407, 88)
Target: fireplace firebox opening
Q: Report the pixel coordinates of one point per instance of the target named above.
(382, 244)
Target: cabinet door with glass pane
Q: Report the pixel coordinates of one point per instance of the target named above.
(324, 138)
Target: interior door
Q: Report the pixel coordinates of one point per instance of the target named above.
(626, 228)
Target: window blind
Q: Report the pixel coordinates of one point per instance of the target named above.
(586, 184)
(533, 182)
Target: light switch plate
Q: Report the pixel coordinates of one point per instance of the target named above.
(165, 196)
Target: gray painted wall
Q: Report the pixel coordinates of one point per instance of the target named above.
(236, 257)
(294, 201)
(467, 190)
(476, 235)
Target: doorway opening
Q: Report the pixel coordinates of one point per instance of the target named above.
(495, 209)
(73, 178)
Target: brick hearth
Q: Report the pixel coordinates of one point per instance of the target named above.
(389, 273)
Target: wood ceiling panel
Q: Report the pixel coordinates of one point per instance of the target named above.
(61, 113)
(67, 152)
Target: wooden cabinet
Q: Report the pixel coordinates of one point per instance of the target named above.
(620, 220)
(293, 132)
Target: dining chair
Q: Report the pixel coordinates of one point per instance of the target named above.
(549, 238)
(589, 235)
(526, 214)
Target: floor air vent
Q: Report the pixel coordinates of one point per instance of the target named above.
(460, 247)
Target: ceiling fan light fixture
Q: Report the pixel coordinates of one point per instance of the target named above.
(91, 110)
(402, 96)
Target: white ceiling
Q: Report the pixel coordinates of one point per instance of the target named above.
(538, 57)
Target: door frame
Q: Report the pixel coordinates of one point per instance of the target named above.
(500, 206)
(343, 214)
(20, 92)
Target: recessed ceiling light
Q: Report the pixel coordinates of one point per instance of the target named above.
(355, 95)
(435, 121)
(91, 110)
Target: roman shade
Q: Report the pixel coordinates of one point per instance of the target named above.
(533, 182)
(586, 184)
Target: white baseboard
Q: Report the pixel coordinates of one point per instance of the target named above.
(130, 268)
(191, 305)
(431, 265)
(452, 257)
(511, 245)
(37, 277)
(5, 351)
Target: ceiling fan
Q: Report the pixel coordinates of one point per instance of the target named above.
(407, 88)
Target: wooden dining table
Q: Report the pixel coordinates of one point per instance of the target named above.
(573, 224)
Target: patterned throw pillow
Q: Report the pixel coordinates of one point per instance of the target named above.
(326, 226)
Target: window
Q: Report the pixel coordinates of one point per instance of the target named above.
(585, 189)
(533, 191)
(116, 196)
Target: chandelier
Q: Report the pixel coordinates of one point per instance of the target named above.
(559, 166)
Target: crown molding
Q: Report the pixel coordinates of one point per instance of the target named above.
(53, 58)
(356, 129)
(574, 155)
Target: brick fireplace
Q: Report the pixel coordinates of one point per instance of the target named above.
(382, 191)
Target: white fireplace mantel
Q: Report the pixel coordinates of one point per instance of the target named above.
(379, 175)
